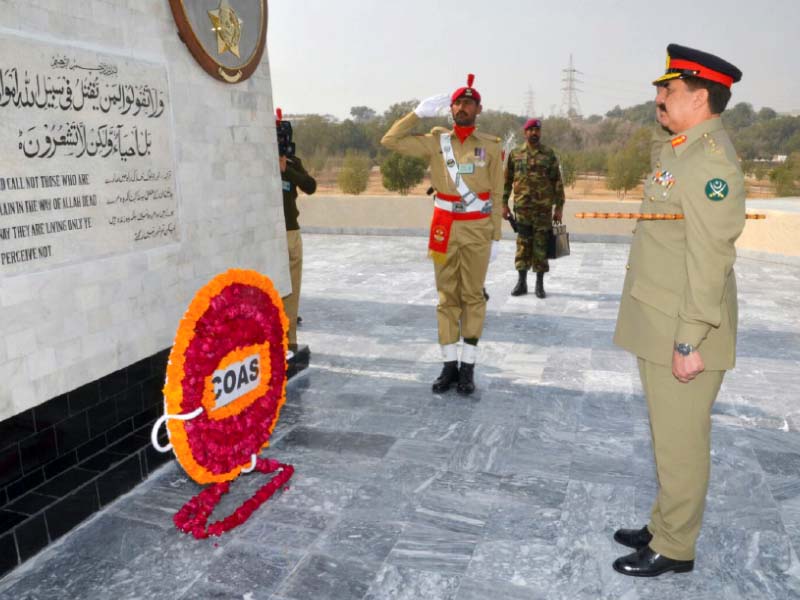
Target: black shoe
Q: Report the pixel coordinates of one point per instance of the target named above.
(522, 284)
(466, 383)
(299, 319)
(646, 563)
(540, 286)
(447, 377)
(485, 295)
(633, 538)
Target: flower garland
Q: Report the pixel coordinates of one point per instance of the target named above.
(236, 310)
(235, 326)
(192, 518)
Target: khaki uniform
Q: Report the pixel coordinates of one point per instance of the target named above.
(680, 288)
(459, 280)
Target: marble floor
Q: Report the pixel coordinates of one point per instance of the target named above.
(513, 493)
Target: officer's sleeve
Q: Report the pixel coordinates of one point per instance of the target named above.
(496, 181)
(558, 183)
(296, 173)
(508, 183)
(400, 139)
(712, 227)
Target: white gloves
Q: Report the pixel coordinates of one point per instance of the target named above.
(495, 250)
(433, 106)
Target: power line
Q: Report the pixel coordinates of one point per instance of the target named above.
(570, 106)
(528, 106)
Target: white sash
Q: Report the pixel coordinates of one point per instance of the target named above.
(469, 199)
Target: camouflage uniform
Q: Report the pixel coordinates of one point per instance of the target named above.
(535, 176)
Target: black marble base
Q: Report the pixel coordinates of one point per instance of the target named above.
(65, 459)
(299, 361)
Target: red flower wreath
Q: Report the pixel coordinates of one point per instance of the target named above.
(235, 325)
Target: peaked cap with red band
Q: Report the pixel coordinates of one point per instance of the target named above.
(468, 91)
(688, 62)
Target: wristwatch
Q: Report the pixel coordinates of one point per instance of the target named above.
(684, 349)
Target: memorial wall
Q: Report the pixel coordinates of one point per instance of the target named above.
(128, 178)
(131, 173)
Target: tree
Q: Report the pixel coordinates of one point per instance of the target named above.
(401, 173)
(362, 114)
(766, 114)
(740, 116)
(569, 168)
(399, 109)
(354, 176)
(627, 167)
(787, 177)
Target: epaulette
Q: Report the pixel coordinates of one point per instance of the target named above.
(486, 136)
(711, 145)
(438, 130)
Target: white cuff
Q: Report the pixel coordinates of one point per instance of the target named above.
(469, 353)
(449, 352)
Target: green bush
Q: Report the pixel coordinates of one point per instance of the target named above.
(401, 173)
(569, 168)
(787, 177)
(354, 176)
(627, 167)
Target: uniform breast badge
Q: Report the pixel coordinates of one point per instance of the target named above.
(716, 189)
(664, 179)
(480, 157)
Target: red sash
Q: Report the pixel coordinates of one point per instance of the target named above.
(442, 222)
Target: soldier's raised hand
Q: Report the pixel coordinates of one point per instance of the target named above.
(433, 106)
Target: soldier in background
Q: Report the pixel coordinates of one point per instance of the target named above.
(293, 176)
(535, 177)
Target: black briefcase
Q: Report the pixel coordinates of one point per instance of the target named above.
(558, 241)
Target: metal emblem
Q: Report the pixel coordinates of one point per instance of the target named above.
(226, 37)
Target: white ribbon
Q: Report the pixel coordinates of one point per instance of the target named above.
(163, 419)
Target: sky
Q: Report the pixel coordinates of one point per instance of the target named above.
(327, 56)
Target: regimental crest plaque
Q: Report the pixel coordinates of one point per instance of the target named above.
(227, 37)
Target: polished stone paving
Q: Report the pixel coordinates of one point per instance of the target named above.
(513, 493)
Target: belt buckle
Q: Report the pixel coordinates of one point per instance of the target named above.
(469, 198)
(458, 207)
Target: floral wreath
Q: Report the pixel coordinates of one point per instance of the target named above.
(226, 384)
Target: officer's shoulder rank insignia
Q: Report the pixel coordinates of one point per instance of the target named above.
(678, 141)
(711, 144)
(716, 189)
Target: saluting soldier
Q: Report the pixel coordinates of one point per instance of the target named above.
(678, 312)
(466, 171)
(533, 174)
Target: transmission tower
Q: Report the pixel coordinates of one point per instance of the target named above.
(528, 105)
(570, 107)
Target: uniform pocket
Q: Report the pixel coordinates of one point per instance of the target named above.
(659, 298)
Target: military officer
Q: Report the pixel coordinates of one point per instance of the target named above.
(678, 311)
(466, 171)
(535, 178)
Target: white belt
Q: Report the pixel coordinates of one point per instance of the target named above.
(460, 206)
